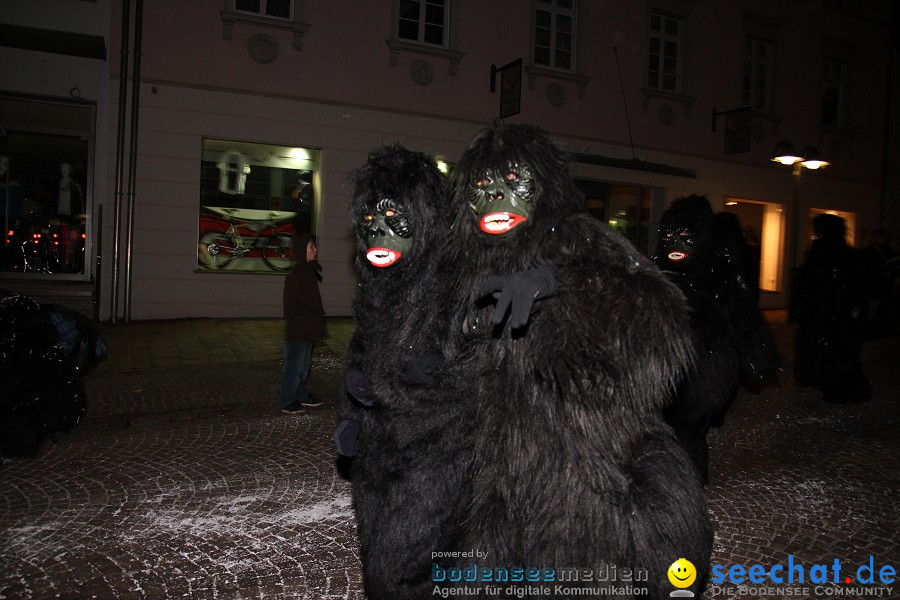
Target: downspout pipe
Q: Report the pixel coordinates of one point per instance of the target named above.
(120, 155)
(132, 156)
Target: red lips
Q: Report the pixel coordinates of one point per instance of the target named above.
(500, 222)
(382, 257)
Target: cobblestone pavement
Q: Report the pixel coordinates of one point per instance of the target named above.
(185, 481)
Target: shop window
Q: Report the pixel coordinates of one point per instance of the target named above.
(763, 225)
(253, 199)
(45, 199)
(625, 208)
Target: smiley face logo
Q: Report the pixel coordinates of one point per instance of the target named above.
(682, 573)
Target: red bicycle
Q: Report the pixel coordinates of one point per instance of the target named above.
(269, 239)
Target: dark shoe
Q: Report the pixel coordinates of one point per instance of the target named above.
(294, 408)
(311, 401)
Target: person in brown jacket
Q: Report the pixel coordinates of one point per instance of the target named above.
(305, 324)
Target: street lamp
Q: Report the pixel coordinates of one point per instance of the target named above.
(808, 158)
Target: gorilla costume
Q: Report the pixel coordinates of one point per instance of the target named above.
(408, 471)
(831, 300)
(699, 252)
(574, 465)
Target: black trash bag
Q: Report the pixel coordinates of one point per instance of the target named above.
(40, 390)
(78, 335)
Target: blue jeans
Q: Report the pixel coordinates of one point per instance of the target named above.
(295, 370)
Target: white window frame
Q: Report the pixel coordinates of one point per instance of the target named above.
(750, 80)
(555, 11)
(663, 37)
(423, 8)
(262, 11)
(840, 82)
(296, 24)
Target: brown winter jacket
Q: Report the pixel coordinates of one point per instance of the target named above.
(302, 302)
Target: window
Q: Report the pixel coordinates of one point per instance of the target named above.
(424, 21)
(757, 76)
(45, 188)
(277, 14)
(764, 226)
(665, 55)
(554, 34)
(253, 199)
(834, 94)
(280, 9)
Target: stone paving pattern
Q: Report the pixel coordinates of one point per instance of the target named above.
(185, 480)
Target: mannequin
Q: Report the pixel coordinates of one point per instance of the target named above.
(70, 199)
(10, 212)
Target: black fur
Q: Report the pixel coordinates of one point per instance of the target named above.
(574, 465)
(734, 343)
(408, 476)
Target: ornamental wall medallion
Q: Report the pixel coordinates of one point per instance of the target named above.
(422, 72)
(666, 114)
(262, 48)
(556, 95)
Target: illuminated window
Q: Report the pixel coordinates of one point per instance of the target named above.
(253, 199)
(764, 228)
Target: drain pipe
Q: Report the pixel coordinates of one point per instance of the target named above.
(120, 154)
(132, 156)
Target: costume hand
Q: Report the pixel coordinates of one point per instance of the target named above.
(346, 437)
(357, 386)
(420, 368)
(516, 292)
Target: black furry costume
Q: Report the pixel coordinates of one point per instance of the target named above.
(408, 474)
(702, 254)
(831, 300)
(574, 465)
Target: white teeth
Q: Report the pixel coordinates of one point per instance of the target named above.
(497, 222)
(381, 257)
(677, 255)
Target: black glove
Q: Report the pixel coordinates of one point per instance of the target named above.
(517, 292)
(357, 386)
(346, 437)
(421, 367)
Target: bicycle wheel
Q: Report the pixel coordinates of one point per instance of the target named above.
(278, 253)
(215, 249)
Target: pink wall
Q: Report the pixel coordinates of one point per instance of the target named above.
(345, 60)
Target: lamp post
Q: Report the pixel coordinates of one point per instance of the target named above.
(808, 158)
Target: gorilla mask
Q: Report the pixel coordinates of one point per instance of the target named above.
(387, 233)
(687, 234)
(678, 243)
(502, 198)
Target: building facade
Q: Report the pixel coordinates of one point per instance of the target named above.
(235, 123)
